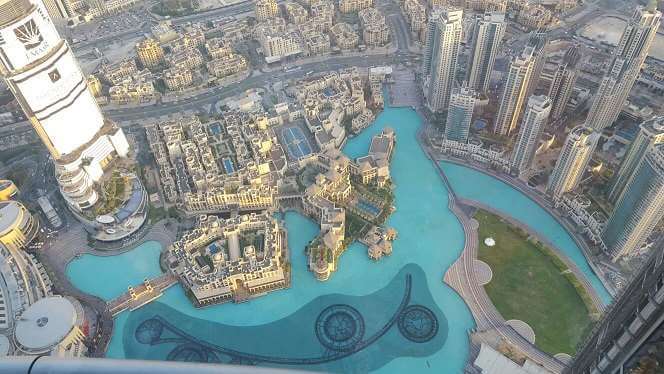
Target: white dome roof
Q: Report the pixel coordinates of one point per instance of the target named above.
(45, 323)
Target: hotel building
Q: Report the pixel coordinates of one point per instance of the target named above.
(42, 73)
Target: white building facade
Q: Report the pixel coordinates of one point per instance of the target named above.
(42, 73)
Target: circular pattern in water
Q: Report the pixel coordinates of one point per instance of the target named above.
(339, 327)
(418, 324)
(149, 331)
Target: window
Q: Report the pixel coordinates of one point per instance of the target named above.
(54, 75)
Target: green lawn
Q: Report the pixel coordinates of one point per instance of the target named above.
(528, 285)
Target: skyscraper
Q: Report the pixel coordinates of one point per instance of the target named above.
(514, 92)
(537, 113)
(486, 39)
(640, 207)
(537, 42)
(572, 162)
(562, 84)
(42, 73)
(630, 328)
(460, 114)
(625, 66)
(650, 134)
(441, 56)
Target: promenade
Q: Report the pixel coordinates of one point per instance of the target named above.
(72, 243)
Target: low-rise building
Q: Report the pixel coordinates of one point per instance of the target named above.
(132, 91)
(186, 59)
(351, 6)
(119, 71)
(227, 65)
(218, 48)
(374, 29)
(232, 259)
(316, 42)
(266, 9)
(295, 13)
(534, 16)
(416, 15)
(344, 36)
(178, 79)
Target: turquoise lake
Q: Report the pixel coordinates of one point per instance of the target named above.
(389, 316)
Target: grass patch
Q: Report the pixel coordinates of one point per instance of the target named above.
(530, 283)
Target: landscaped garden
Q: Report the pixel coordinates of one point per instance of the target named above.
(531, 284)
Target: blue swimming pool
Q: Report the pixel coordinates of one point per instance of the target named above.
(391, 316)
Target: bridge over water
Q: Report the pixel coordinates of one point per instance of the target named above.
(136, 297)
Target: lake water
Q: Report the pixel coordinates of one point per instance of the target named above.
(389, 316)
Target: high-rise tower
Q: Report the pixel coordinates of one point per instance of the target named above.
(650, 134)
(41, 71)
(572, 162)
(537, 113)
(487, 36)
(537, 41)
(562, 84)
(460, 113)
(640, 207)
(440, 57)
(514, 92)
(625, 66)
(630, 329)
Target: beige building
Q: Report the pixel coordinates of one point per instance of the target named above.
(178, 79)
(344, 36)
(233, 259)
(416, 15)
(94, 85)
(295, 13)
(374, 29)
(130, 91)
(351, 6)
(116, 73)
(187, 59)
(317, 43)
(534, 16)
(227, 65)
(150, 53)
(266, 9)
(218, 48)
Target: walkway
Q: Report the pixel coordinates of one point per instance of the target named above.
(136, 297)
(462, 277)
(70, 243)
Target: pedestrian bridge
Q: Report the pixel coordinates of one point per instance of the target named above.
(136, 297)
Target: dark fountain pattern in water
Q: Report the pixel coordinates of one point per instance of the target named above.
(333, 332)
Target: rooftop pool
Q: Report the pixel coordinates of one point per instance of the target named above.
(388, 316)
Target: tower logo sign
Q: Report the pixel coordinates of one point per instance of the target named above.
(28, 34)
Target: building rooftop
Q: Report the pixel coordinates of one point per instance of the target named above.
(45, 323)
